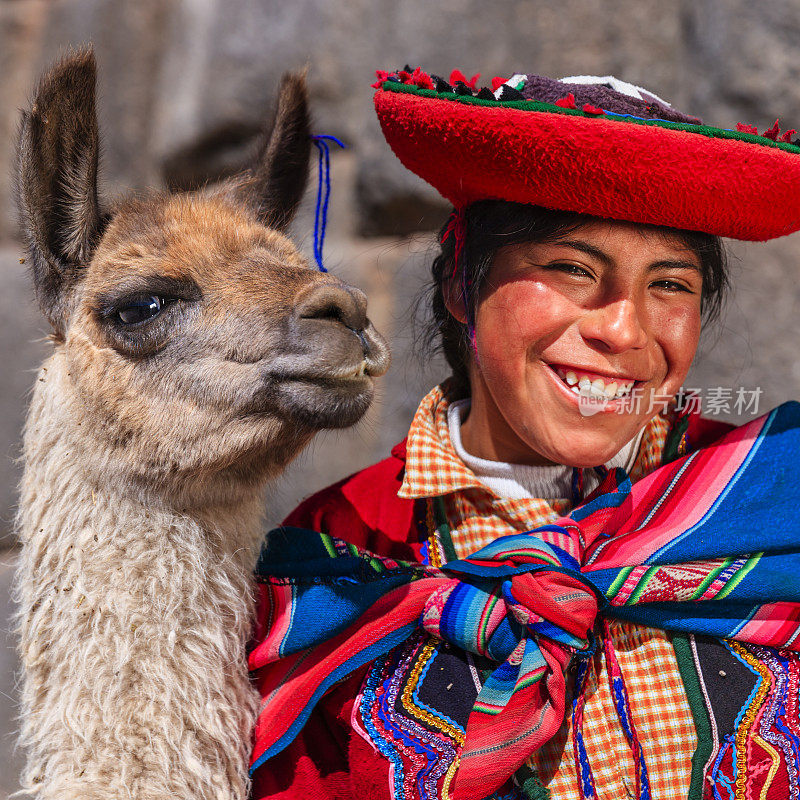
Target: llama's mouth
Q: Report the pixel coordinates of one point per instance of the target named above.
(330, 383)
(313, 401)
(348, 373)
(327, 401)
(347, 378)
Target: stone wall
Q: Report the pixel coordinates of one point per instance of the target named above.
(185, 85)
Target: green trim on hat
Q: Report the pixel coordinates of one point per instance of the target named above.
(535, 105)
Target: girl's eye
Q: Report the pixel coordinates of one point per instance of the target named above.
(672, 286)
(570, 269)
(140, 310)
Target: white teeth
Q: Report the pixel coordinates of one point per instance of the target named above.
(597, 388)
(594, 389)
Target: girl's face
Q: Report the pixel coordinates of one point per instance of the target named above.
(613, 309)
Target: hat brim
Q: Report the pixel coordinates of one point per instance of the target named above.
(719, 182)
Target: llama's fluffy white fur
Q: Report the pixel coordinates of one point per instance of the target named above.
(133, 621)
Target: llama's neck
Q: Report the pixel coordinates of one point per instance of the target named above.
(66, 497)
(133, 619)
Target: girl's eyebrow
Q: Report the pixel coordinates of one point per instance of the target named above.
(589, 249)
(675, 263)
(600, 255)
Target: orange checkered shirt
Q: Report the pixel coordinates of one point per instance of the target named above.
(659, 706)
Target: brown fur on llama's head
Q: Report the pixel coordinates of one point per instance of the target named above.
(197, 343)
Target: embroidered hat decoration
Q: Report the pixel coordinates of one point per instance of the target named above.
(590, 144)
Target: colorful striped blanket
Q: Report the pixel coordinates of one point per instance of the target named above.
(708, 544)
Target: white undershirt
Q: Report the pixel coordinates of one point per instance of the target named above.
(519, 481)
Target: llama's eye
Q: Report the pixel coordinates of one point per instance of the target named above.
(140, 310)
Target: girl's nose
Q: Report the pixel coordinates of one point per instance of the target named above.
(614, 327)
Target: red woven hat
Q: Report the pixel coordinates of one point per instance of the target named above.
(592, 145)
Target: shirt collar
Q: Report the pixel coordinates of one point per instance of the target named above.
(434, 468)
(520, 481)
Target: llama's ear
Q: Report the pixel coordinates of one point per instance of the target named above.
(56, 176)
(276, 183)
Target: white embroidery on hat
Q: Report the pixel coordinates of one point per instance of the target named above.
(616, 84)
(516, 81)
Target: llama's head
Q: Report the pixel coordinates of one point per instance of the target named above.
(199, 345)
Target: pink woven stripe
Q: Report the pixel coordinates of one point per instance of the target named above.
(279, 598)
(290, 686)
(719, 467)
(773, 625)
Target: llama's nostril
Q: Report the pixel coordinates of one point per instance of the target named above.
(335, 304)
(331, 311)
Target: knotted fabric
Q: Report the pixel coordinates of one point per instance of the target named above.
(707, 544)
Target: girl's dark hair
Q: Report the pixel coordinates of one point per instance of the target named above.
(492, 224)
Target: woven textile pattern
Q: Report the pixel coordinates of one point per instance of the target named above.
(477, 516)
(755, 743)
(660, 713)
(529, 606)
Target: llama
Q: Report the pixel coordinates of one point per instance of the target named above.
(195, 352)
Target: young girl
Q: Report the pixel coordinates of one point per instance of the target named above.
(557, 586)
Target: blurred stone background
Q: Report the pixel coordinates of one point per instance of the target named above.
(185, 85)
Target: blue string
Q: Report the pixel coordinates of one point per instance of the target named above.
(584, 770)
(323, 193)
